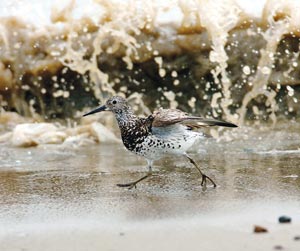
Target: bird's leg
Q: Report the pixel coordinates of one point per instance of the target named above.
(204, 177)
(133, 184)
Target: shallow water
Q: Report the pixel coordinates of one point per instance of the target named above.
(257, 177)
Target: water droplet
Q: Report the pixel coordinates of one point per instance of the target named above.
(246, 70)
(174, 74)
(162, 72)
(176, 82)
(290, 90)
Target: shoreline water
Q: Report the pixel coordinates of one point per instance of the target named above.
(67, 199)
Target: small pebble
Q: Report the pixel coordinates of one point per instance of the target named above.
(284, 219)
(297, 238)
(259, 229)
(278, 247)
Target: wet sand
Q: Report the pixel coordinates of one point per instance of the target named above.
(55, 198)
(179, 235)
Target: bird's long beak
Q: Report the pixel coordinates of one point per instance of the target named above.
(99, 109)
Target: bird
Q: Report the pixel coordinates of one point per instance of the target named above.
(164, 132)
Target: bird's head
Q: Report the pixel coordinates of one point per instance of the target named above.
(118, 105)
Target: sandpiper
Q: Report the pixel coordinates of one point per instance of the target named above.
(166, 131)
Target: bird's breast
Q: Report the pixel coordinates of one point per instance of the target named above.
(133, 136)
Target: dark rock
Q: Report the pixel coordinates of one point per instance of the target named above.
(260, 229)
(284, 219)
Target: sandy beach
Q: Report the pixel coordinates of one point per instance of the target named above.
(189, 234)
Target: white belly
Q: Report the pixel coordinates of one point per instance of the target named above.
(174, 139)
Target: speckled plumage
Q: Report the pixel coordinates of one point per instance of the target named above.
(166, 131)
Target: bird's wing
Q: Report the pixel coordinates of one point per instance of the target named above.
(166, 117)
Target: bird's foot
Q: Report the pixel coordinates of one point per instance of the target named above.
(203, 182)
(131, 185)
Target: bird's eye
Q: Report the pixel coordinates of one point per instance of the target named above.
(114, 102)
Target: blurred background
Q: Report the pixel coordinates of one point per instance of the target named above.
(238, 60)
